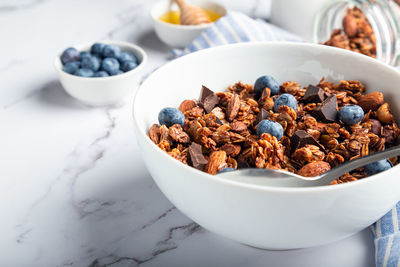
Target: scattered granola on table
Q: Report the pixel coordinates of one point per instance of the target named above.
(307, 130)
(357, 34)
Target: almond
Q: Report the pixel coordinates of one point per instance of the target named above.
(187, 105)
(238, 126)
(265, 93)
(233, 107)
(219, 113)
(371, 101)
(384, 115)
(350, 25)
(154, 133)
(314, 168)
(231, 149)
(216, 162)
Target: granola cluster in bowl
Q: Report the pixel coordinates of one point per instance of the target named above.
(261, 215)
(306, 130)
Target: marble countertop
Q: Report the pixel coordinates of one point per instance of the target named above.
(73, 186)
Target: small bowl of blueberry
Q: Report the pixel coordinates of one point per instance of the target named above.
(100, 73)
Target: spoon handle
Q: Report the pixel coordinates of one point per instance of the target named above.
(357, 163)
(191, 15)
(180, 3)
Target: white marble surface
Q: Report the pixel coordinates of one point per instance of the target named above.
(73, 186)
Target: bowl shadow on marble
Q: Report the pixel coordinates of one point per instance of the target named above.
(149, 225)
(169, 234)
(53, 94)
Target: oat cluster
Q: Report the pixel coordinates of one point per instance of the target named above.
(357, 34)
(221, 132)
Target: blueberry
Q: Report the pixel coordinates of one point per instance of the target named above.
(351, 115)
(271, 127)
(97, 49)
(171, 116)
(127, 56)
(84, 54)
(91, 63)
(285, 100)
(70, 54)
(111, 51)
(97, 56)
(226, 170)
(101, 73)
(128, 65)
(378, 166)
(84, 72)
(111, 65)
(117, 72)
(71, 67)
(266, 81)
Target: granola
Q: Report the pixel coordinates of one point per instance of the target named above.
(357, 34)
(220, 129)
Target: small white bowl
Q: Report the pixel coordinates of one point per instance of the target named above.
(179, 36)
(257, 215)
(98, 91)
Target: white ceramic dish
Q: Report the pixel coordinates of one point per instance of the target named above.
(102, 90)
(179, 36)
(262, 216)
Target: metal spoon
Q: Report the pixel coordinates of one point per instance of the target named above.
(272, 177)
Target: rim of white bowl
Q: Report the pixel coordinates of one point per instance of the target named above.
(156, 18)
(266, 188)
(84, 47)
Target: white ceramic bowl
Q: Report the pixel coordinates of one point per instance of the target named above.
(179, 36)
(99, 91)
(262, 216)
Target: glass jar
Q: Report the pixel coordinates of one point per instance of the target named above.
(383, 15)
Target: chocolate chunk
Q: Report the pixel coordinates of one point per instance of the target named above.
(208, 99)
(205, 92)
(218, 121)
(301, 138)
(196, 156)
(327, 111)
(314, 94)
(262, 115)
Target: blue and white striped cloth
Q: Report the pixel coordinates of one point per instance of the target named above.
(387, 239)
(237, 27)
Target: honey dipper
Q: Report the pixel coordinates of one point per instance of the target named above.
(191, 15)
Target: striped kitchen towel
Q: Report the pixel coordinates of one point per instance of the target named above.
(387, 239)
(237, 27)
